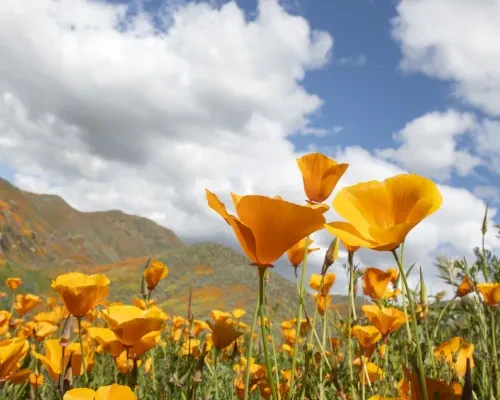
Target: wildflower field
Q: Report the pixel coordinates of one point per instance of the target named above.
(403, 344)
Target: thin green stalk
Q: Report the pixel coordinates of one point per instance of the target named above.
(81, 349)
(249, 349)
(495, 354)
(262, 272)
(350, 259)
(216, 376)
(298, 322)
(315, 315)
(420, 360)
(325, 322)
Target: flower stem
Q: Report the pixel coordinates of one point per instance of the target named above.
(494, 350)
(84, 366)
(262, 272)
(298, 322)
(350, 259)
(216, 377)
(420, 359)
(249, 349)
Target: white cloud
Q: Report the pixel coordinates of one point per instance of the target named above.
(454, 40)
(144, 121)
(429, 145)
(488, 193)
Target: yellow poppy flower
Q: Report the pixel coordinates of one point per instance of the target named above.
(465, 287)
(320, 175)
(322, 302)
(380, 214)
(367, 336)
(238, 313)
(130, 323)
(266, 228)
(296, 252)
(375, 373)
(490, 292)
(12, 351)
(385, 319)
(456, 352)
(25, 303)
(154, 273)
(13, 283)
(328, 281)
(80, 292)
(223, 334)
(112, 392)
(375, 282)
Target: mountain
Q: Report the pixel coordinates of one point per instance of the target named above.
(42, 236)
(45, 230)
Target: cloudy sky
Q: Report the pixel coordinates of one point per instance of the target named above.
(141, 105)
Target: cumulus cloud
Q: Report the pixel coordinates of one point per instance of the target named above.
(142, 113)
(454, 40)
(429, 145)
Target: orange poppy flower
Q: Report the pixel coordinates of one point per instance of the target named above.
(223, 334)
(394, 274)
(465, 287)
(53, 354)
(297, 251)
(391, 294)
(328, 281)
(375, 282)
(130, 323)
(13, 283)
(322, 302)
(456, 352)
(375, 373)
(12, 351)
(238, 313)
(367, 336)
(373, 220)
(435, 388)
(25, 303)
(80, 292)
(266, 228)
(490, 292)
(36, 380)
(385, 319)
(154, 273)
(112, 392)
(320, 175)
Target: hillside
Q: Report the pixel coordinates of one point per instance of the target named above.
(45, 230)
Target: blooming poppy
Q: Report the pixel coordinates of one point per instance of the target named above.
(320, 175)
(490, 292)
(112, 392)
(375, 282)
(375, 373)
(297, 251)
(435, 388)
(380, 214)
(13, 283)
(130, 323)
(385, 319)
(80, 292)
(456, 352)
(465, 287)
(223, 334)
(328, 281)
(265, 227)
(12, 351)
(154, 273)
(25, 303)
(322, 302)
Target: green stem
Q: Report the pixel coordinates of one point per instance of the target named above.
(495, 354)
(81, 350)
(350, 260)
(249, 349)
(262, 272)
(325, 322)
(298, 322)
(420, 360)
(216, 376)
